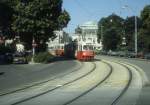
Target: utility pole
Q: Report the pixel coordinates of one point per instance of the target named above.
(33, 49)
(135, 29)
(102, 35)
(135, 35)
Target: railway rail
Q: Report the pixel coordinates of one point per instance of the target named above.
(16, 103)
(86, 92)
(125, 88)
(40, 94)
(99, 83)
(117, 98)
(39, 83)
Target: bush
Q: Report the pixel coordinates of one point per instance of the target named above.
(29, 57)
(43, 57)
(6, 49)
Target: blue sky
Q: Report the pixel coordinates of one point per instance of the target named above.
(93, 10)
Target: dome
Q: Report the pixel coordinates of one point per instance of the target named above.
(90, 23)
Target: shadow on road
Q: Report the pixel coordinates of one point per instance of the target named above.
(1, 73)
(57, 59)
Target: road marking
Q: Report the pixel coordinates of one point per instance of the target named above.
(59, 85)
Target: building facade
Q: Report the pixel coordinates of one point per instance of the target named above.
(88, 34)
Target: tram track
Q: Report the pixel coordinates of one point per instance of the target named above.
(42, 82)
(29, 98)
(125, 88)
(88, 73)
(145, 80)
(114, 101)
(86, 92)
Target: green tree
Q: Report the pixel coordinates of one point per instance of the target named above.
(129, 28)
(101, 30)
(111, 39)
(5, 17)
(110, 28)
(63, 19)
(78, 30)
(144, 36)
(38, 19)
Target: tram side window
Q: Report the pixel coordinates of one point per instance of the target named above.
(51, 48)
(91, 48)
(85, 47)
(80, 47)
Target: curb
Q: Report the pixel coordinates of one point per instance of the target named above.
(33, 63)
(139, 59)
(145, 79)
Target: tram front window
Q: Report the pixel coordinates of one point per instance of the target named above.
(87, 47)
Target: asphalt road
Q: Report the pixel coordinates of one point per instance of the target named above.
(144, 98)
(98, 82)
(17, 76)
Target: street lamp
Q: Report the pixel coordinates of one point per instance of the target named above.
(33, 49)
(135, 27)
(136, 35)
(102, 33)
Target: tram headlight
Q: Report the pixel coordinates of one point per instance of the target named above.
(84, 53)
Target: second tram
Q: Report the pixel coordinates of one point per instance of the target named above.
(80, 51)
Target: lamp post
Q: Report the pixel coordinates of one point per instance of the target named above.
(135, 28)
(135, 35)
(33, 49)
(102, 35)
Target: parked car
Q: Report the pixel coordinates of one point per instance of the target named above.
(19, 58)
(103, 52)
(113, 53)
(9, 57)
(121, 54)
(131, 54)
(2, 59)
(140, 55)
(6, 58)
(147, 56)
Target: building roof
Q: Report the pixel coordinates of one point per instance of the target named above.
(90, 25)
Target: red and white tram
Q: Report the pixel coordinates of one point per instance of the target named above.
(81, 51)
(84, 52)
(56, 50)
(59, 50)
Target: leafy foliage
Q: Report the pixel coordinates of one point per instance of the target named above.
(112, 39)
(43, 57)
(38, 18)
(63, 19)
(129, 27)
(111, 30)
(5, 17)
(6, 49)
(78, 30)
(144, 37)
